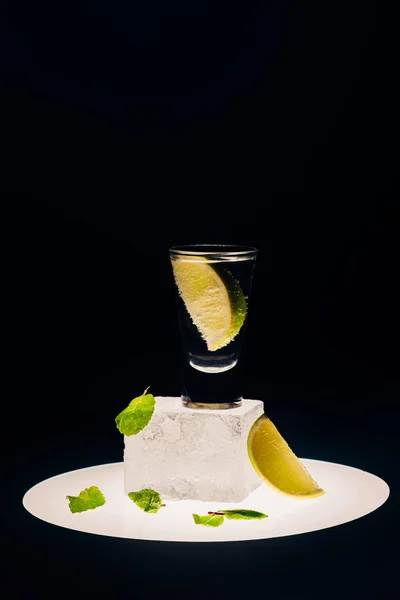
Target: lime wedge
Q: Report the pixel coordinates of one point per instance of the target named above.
(276, 464)
(213, 299)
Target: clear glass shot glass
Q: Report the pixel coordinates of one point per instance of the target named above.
(213, 285)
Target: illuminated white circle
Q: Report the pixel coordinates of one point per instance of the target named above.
(350, 494)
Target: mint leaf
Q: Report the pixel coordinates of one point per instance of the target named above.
(88, 499)
(210, 520)
(136, 415)
(241, 513)
(148, 500)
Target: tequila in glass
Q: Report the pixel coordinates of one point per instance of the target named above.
(213, 285)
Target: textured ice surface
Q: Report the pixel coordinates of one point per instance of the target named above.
(194, 454)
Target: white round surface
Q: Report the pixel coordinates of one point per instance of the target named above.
(350, 494)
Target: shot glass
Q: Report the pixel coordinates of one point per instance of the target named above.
(213, 286)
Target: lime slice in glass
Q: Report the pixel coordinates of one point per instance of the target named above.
(213, 299)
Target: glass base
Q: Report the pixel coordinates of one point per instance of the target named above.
(210, 405)
(217, 391)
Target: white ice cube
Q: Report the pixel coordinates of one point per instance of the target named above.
(193, 454)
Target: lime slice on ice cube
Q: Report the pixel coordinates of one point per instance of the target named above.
(276, 463)
(213, 299)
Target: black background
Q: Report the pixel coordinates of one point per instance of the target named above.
(131, 127)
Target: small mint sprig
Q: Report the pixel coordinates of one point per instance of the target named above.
(136, 415)
(148, 500)
(216, 518)
(209, 520)
(88, 499)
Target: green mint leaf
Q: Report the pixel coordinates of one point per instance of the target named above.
(136, 415)
(242, 513)
(88, 499)
(210, 520)
(148, 500)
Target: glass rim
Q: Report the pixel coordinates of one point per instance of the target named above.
(212, 250)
